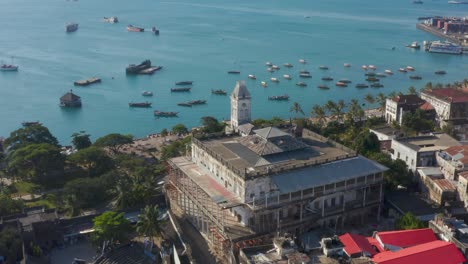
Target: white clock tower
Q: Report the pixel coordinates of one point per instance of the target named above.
(240, 105)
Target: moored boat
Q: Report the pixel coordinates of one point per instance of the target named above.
(370, 74)
(376, 85)
(184, 104)
(135, 69)
(279, 97)
(142, 104)
(181, 89)
(305, 75)
(364, 67)
(409, 68)
(301, 84)
(71, 27)
(8, 67)
(165, 114)
(184, 83)
(302, 61)
(234, 72)
(345, 81)
(132, 28)
(289, 65)
(274, 79)
(362, 85)
(346, 65)
(219, 92)
(304, 71)
(147, 93)
(287, 76)
(341, 84)
(445, 47)
(150, 70)
(372, 79)
(31, 123)
(251, 76)
(372, 67)
(326, 78)
(440, 72)
(402, 70)
(270, 69)
(197, 102)
(268, 63)
(388, 72)
(112, 19)
(87, 81)
(414, 45)
(415, 77)
(381, 75)
(275, 67)
(323, 67)
(264, 84)
(323, 87)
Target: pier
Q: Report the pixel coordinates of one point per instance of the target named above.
(437, 32)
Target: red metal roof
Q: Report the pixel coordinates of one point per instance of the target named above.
(435, 252)
(445, 185)
(449, 95)
(354, 244)
(406, 238)
(426, 107)
(461, 150)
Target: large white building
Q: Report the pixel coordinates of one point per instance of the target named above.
(397, 107)
(449, 103)
(238, 188)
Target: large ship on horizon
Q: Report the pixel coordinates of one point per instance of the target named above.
(445, 47)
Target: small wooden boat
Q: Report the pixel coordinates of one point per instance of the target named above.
(415, 77)
(376, 85)
(274, 79)
(287, 76)
(381, 75)
(301, 84)
(234, 72)
(345, 81)
(323, 67)
(197, 102)
(362, 85)
(147, 93)
(31, 123)
(185, 104)
(364, 67)
(372, 79)
(275, 67)
(143, 104)
(279, 97)
(219, 92)
(409, 68)
(184, 83)
(370, 74)
(111, 19)
(264, 84)
(402, 70)
(372, 67)
(165, 114)
(440, 72)
(323, 87)
(341, 84)
(268, 63)
(346, 65)
(132, 28)
(150, 70)
(270, 69)
(302, 61)
(389, 72)
(288, 65)
(251, 76)
(304, 72)
(326, 78)
(181, 89)
(87, 81)
(305, 75)
(71, 27)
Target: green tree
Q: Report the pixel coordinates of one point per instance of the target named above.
(382, 101)
(81, 140)
(11, 245)
(211, 124)
(93, 160)
(408, 221)
(164, 132)
(149, 222)
(296, 108)
(41, 163)
(114, 141)
(179, 129)
(9, 206)
(110, 226)
(83, 193)
(412, 90)
(355, 112)
(330, 106)
(32, 134)
(367, 142)
(417, 122)
(320, 114)
(369, 98)
(175, 149)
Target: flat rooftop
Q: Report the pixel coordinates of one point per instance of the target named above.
(450, 95)
(429, 143)
(263, 154)
(405, 201)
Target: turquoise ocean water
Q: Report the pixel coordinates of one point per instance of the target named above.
(200, 41)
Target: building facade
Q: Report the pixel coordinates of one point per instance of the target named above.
(449, 103)
(240, 106)
(397, 107)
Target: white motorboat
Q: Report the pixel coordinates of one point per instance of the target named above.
(287, 77)
(251, 76)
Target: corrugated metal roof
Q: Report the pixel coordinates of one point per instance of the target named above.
(406, 238)
(327, 173)
(357, 244)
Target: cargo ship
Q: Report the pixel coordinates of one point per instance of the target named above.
(445, 47)
(87, 81)
(144, 104)
(132, 28)
(71, 27)
(135, 69)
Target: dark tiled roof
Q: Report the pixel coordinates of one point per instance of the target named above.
(70, 96)
(408, 99)
(450, 95)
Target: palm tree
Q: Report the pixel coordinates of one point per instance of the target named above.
(319, 113)
(149, 222)
(353, 111)
(369, 98)
(296, 108)
(412, 90)
(338, 111)
(330, 106)
(382, 100)
(392, 94)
